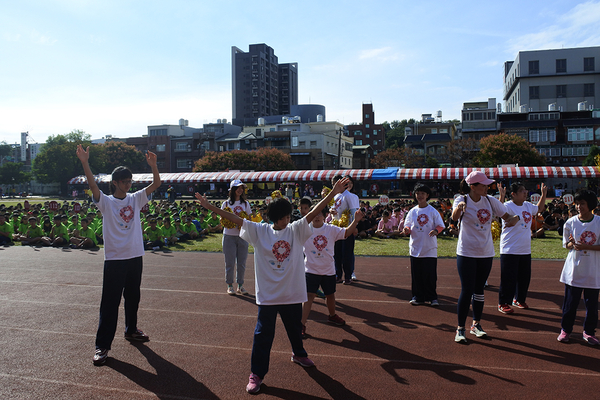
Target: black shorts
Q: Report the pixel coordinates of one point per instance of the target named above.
(326, 282)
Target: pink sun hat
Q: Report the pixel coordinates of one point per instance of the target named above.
(478, 177)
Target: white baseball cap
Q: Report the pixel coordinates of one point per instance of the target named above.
(236, 183)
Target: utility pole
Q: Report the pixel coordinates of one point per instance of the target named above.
(339, 147)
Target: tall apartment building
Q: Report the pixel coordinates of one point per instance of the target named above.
(260, 85)
(479, 119)
(368, 133)
(548, 80)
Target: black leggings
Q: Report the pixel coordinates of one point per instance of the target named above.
(473, 273)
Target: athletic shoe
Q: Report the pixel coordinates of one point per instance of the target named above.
(478, 331)
(335, 319)
(435, 303)
(253, 384)
(415, 302)
(100, 356)
(520, 305)
(348, 282)
(230, 290)
(505, 309)
(339, 280)
(241, 290)
(353, 277)
(460, 336)
(137, 336)
(564, 336)
(304, 361)
(591, 339)
(320, 294)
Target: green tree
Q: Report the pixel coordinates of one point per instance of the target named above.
(590, 160)
(115, 154)
(5, 149)
(264, 159)
(57, 161)
(507, 149)
(432, 162)
(12, 173)
(394, 133)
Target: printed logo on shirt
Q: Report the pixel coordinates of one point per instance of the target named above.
(422, 219)
(320, 243)
(526, 217)
(127, 214)
(587, 237)
(238, 210)
(281, 251)
(484, 215)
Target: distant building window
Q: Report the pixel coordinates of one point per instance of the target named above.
(374, 142)
(589, 64)
(302, 143)
(358, 142)
(534, 92)
(295, 141)
(158, 132)
(313, 143)
(434, 130)
(534, 67)
(561, 90)
(575, 151)
(589, 89)
(161, 147)
(357, 133)
(374, 132)
(367, 126)
(542, 135)
(367, 136)
(366, 116)
(581, 133)
(181, 146)
(561, 66)
(184, 163)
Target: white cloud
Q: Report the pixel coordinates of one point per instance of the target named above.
(37, 37)
(576, 28)
(12, 37)
(381, 54)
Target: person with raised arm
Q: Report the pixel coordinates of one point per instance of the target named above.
(123, 250)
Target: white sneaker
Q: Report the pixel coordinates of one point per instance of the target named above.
(353, 276)
(241, 290)
(230, 290)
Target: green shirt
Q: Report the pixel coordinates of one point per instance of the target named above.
(154, 234)
(35, 232)
(7, 228)
(212, 222)
(61, 231)
(88, 233)
(188, 228)
(169, 232)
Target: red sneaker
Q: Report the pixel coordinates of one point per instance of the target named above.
(520, 305)
(335, 319)
(505, 309)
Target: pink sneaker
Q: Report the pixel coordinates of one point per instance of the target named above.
(564, 337)
(591, 339)
(304, 361)
(253, 384)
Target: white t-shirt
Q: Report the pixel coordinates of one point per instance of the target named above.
(517, 239)
(582, 268)
(320, 247)
(121, 225)
(475, 233)
(237, 209)
(346, 201)
(421, 221)
(278, 261)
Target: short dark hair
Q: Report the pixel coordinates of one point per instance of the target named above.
(119, 174)
(419, 187)
(279, 208)
(588, 196)
(306, 200)
(514, 187)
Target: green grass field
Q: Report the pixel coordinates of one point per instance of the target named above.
(549, 247)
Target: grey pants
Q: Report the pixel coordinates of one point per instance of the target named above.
(235, 248)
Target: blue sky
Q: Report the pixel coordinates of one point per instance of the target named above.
(115, 67)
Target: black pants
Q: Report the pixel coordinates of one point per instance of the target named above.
(344, 257)
(121, 278)
(423, 278)
(515, 276)
(570, 304)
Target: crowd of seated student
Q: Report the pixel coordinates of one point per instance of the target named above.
(167, 223)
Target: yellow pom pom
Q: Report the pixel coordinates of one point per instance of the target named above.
(496, 231)
(225, 222)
